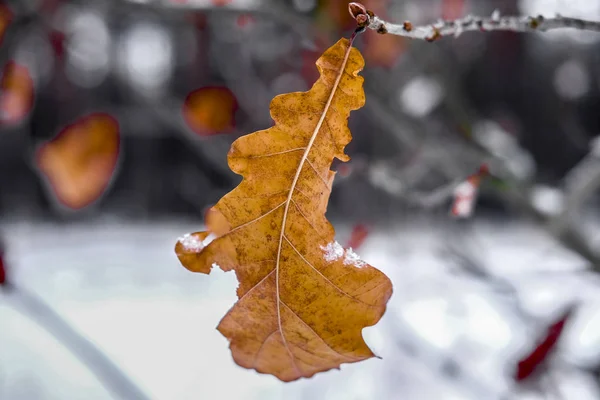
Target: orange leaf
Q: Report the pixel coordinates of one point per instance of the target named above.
(16, 99)
(210, 110)
(81, 160)
(303, 299)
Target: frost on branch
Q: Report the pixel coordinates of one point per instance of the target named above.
(432, 32)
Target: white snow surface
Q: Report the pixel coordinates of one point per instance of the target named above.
(124, 289)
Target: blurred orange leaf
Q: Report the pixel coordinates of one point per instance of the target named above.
(81, 160)
(210, 110)
(6, 17)
(303, 299)
(16, 98)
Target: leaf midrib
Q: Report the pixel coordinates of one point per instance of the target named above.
(291, 193)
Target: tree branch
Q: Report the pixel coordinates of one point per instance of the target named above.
(104, 369)
(367, 19)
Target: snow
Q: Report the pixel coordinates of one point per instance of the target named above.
(464, 199)
(127, 293)
(547, 200)
(333, 251)
(191, 242)
(352, 258)
(465, 189)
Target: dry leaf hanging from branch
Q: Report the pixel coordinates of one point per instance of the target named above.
(303, 299)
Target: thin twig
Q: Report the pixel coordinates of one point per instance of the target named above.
(515, 190)
(367, 19)
(109, 375)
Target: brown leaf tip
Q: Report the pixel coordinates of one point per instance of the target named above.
(189, 250)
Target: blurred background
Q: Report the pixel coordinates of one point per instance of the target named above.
(115, 120)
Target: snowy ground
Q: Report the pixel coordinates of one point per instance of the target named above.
(445, 336)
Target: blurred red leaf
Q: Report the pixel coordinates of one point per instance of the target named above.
(383, 50)
(245, 20)
(81, 160)
(2, 268)
(357, 236)
(6, 17)
(210, 110)
(452, 9)
(309, 57)
(16, 98)
(335, 12)
(528, 364)
(220, 3)
(57, 40)
(344, 170)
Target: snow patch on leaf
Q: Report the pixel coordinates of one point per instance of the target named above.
(333, 251)
(352, 258)
(191, 242)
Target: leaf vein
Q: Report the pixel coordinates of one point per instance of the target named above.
(318, 174)
(258, 284)
(277, 153)
(323, 276)
(262, 345)
(306, 218)
(256, 219)
(317, 335)
(371, 289)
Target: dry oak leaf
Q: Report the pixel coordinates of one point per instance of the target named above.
(303, 299)
(210, 110)
(16, 93)
(80, 162)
